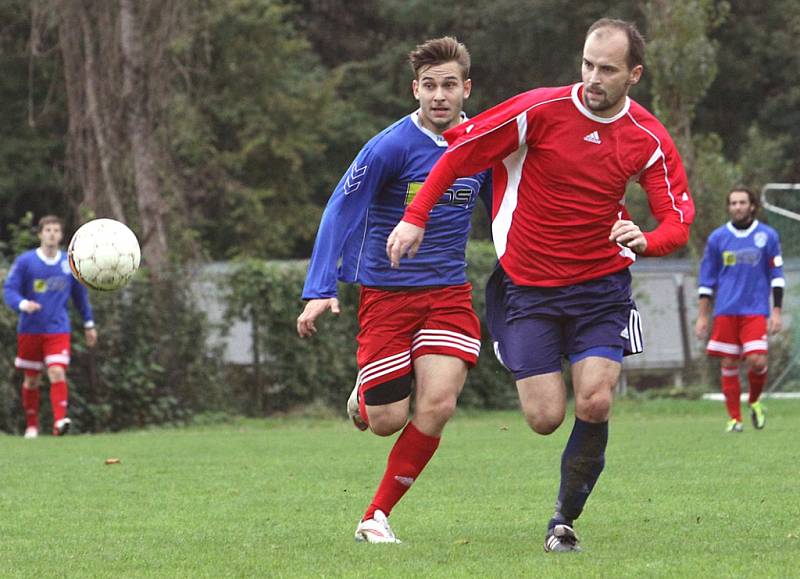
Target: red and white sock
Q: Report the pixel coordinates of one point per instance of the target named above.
(732, 390)
(30, 404)
(409, 455)
(757, 381)
(58, 399)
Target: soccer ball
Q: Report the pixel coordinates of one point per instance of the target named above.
(103, 254)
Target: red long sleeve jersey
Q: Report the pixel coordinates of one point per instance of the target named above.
(559, 179)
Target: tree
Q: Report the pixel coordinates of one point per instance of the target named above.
(756, 89)
(31, 116)
(682, 64)
(111, 152)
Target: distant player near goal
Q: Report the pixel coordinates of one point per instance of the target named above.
(417, 322)
(741, 266)
(562, 158)
(39, 286)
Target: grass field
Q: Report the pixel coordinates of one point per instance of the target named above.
(678, 498)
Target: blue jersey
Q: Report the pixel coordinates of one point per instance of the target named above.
(370, 200)
(739, 267)
(50, 283)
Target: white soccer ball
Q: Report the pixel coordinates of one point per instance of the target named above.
(104, 254)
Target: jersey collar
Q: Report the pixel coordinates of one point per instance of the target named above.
(46, 259)
(438, 139)
(742, 232)
(578, 102)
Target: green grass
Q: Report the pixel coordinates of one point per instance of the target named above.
(678, 498)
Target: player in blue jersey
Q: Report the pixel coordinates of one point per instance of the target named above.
(39, 286)
(741, 266)
(417, 322)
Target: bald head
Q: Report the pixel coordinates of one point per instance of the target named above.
(634, 42)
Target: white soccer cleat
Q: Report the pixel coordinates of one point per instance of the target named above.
(353, 410)
(61, 427)
(31, 432)
(376, 530)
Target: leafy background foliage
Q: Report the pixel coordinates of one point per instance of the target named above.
(256, 107)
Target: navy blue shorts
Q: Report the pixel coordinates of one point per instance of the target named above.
(535, 328)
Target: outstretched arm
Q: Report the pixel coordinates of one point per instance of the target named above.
(314, 309)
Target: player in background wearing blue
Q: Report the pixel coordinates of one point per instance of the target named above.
(39, 286)
(417, 322)
(742, 261)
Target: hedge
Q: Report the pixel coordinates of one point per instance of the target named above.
(153, 363)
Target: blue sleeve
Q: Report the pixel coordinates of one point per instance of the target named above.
(14, 285)
(345, 215)
(80, 297)
(775, 261)
(708, 277)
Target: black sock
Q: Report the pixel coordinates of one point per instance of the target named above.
(581, 464)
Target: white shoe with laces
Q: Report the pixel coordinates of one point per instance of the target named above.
(31, 432)
(376, 530)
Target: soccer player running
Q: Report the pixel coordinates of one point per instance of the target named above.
(39, 286)
(741, 262)
(562, 158)
(416, 322)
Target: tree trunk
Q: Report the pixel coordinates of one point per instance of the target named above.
(152, 207)
(98, 123)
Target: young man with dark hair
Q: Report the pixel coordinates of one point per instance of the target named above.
(562, 159)
(417, 322)
(39, 286)
(741, 266)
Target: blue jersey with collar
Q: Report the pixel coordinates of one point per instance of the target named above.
(50, 283)
(739, 267)
(370, 200)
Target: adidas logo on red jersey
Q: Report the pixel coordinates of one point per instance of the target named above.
(593, 137)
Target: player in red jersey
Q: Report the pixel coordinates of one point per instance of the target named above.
(561, 160)
(417, 323)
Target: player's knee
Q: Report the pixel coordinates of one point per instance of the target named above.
(757, 364)
(387, 426)
(385, 420)
(56, 374)
(30, 382)
(544, 422)
(439, 410)
(595, 406)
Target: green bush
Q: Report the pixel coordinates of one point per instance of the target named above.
(294, 372)
(153, 364)
(146, 369)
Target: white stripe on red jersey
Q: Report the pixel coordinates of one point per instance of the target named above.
(560, 174)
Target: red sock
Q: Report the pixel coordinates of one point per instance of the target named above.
(30, 404)
(732, 390)
(58, 398)
(757, 381)
(362, 408)
(409, 455)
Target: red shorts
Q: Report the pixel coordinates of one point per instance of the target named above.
(397, 327)
(737, 336)
(35, 351)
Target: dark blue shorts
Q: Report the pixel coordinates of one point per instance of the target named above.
(535, 328)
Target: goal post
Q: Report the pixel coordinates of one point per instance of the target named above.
(781, 202)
